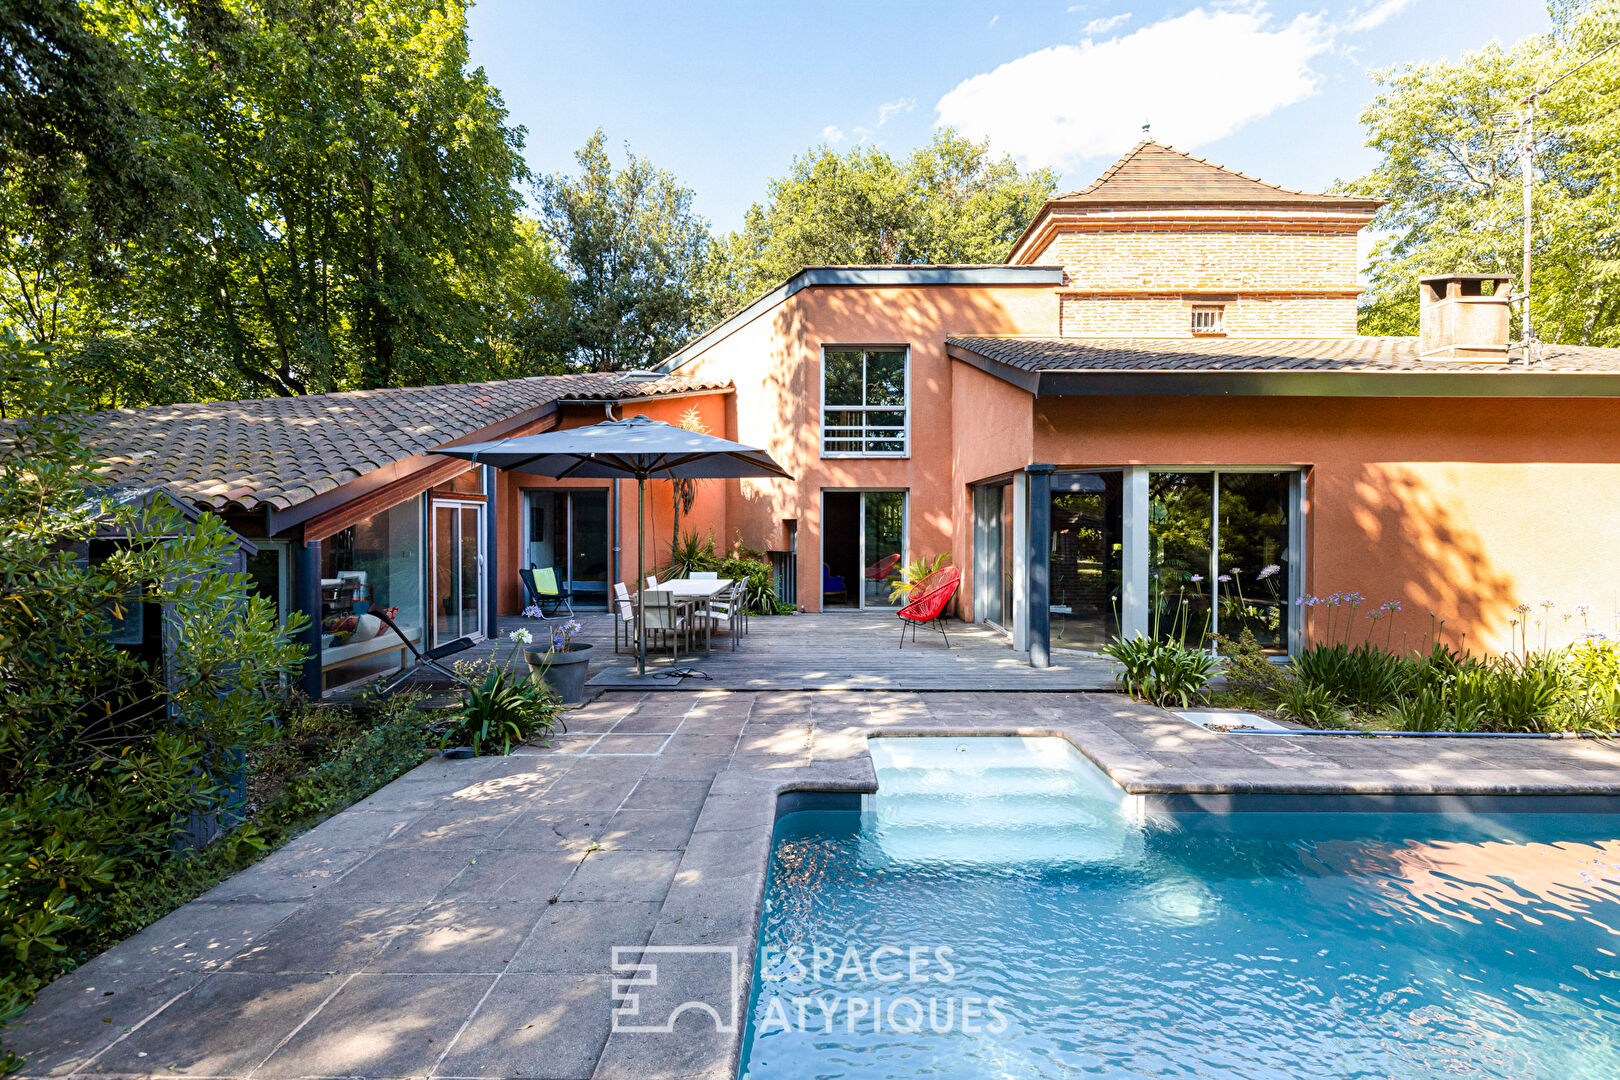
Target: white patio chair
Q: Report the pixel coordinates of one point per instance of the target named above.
(727, 608)
(667, 617)
(624, 616)
(652, 581)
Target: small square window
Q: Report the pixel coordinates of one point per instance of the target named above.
(1207, 319)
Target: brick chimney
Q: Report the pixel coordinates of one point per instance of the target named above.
(1464, 317)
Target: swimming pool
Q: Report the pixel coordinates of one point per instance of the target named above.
(1000, 909)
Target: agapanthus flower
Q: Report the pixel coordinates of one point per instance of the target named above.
(1224, 577)
(533, 612)
(520, 636)
(1196, 578)
(1391, 605)
(1583, 609)
(1522, 609)
(1273, 568)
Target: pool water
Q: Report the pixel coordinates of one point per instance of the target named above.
(1000, 909)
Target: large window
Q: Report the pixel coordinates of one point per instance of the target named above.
(1219, 559)
(1086, 548)
(370, 566)
(863, 403)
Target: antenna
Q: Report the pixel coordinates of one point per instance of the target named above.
(1527, 162)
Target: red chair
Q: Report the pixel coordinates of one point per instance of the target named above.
(927, 602)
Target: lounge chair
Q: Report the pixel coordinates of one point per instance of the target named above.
(429, 659)
(540, 583)
(927, 601)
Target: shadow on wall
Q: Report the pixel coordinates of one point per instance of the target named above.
(1408, 545)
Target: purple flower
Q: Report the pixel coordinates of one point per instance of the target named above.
(1273, 568)
(1522, 609)
(1224, 577)
(1196, 578)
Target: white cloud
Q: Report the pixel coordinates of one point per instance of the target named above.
(1196, 78)
(893, 108)
(1376, 15)
(1097, 27)
(833, 134)
(993, 20)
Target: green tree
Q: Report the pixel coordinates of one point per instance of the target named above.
(343, 202)
(104, 755)
(1449, 167)
(951, 201)
(634, 253)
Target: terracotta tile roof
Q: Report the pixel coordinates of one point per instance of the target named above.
(1153, 173)
(1349, 354)
(279, 452)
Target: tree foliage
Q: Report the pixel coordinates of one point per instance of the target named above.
(1449, 168)
(633, 251)
(341, 206)
(104, 753)
(948, 202)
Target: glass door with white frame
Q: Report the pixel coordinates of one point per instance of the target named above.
(863, 544)
(458, 570)
(566, 530)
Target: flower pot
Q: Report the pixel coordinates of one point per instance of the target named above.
(564, 670)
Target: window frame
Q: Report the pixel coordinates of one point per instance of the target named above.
(863, 438)
(1218, 330)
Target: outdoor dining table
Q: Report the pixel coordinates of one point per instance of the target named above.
(703, 590)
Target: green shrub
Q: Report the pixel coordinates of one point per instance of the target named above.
(1248, 668)
(104, 758)
(1162, 672)
(912, 574)
(503, 708)
(1364, 676)
(1309, 704)
(759, 583)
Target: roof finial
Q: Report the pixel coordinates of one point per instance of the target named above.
(1147, 131)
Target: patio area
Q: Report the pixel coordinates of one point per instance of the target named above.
(842, 651)
(461, 922)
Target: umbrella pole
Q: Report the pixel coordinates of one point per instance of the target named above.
(641, 576)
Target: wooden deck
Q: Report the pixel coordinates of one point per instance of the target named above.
(842, 651)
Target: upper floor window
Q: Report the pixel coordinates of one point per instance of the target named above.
(863, 403)
(1208, 319)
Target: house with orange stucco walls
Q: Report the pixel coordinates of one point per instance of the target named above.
(1158, 408)
(1155, 416)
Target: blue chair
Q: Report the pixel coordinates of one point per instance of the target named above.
(832, 585)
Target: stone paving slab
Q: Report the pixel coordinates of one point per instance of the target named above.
(462, 922)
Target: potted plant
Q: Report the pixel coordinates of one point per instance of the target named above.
(563, 664)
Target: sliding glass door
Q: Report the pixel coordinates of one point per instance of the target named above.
(458, 570)
(566, 529)
(863, 542)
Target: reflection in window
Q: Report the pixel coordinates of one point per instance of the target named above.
(1243, 519)
(1180, 534)
(1087, 523)
(864, 399)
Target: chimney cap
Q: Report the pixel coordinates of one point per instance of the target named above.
(1465, 277)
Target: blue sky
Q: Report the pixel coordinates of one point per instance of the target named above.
(725, 94)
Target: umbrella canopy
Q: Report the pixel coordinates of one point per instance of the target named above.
(636, 448)
(633, 448)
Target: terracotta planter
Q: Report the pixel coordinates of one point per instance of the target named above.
(565, 671)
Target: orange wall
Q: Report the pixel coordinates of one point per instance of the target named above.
(775, 363)
(1464, 507)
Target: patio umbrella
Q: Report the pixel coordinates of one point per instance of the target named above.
(635, 447)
